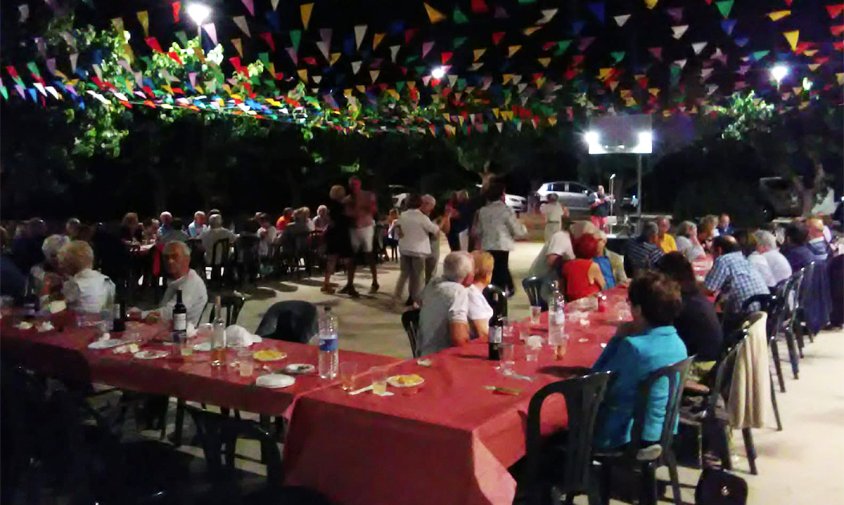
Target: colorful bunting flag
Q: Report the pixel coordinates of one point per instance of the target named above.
(360, 32)
(678, 31)
(792, 38)
(250, 6)
(620, 20)
(777, 15)
(434, 15)
(240, 21)
(305, 11)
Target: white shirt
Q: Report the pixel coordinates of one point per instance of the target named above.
(415, 230)
(194, 297)
(209, 238)
(553, 212)
(498, 227)
(560, 244)
(479, 308)
(267, 238)
(443, 302)
(761, 265)
(780, 267)
(88, 291)
(689, 250)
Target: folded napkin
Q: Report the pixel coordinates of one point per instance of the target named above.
(238, 336)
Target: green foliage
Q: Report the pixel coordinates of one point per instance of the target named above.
(747, 114)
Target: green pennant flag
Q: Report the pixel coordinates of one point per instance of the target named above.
(758, 55)
(675, 71)
(458, 41)
(182, 37)
(459, 17)
(399, 86)
(265, 59)
(562, 46)
(461, 84)
(725, 7)
(4, 92)
(410, 59)
(617, 55)
(295, 38)
(421, 69)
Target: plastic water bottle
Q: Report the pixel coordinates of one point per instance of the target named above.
(556, 317)
(329, 359)
(107, 310)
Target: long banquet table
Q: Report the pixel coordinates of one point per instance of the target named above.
(449, 441)
(65, 354)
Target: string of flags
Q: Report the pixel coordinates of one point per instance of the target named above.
(440, 67)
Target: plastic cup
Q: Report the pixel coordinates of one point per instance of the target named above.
(508, 357)
(347, 375)
(535, 314)
(379, 380)
(246, 365)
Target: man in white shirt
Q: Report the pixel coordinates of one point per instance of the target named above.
(498, 228)
(766, 245)
(547, 265)
(182, 277)
(443, 320)
(414, 247)
(431, 262)
(198, 226)
(211, 236)
(267, 234)
(553, 212)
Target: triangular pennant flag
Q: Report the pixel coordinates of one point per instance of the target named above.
(777, 15)
(680, 63)
(698, 47)
(836, 30)
(334, 58)
(479, 6)
(530, 30)
(458, 16)
(562, 46)
(73, 58)
(240, 21)
(211, 30)
(177, 7)
(512, 50)
(547, 15)
(496, 37)
(500, 13)
(293, 56)
(426, 48)
(305, 11)
(792, 38)
(728, 25)
(296, 39)
(676, 13)
(433, 14)
(238, 46)
(725, 7)
(268, 38)
(742, 41)
(650, 4)
(459, 41)
(394, 50)
(360, 31)
(143, 18)
(544, 61)
(445, 57)
(118, 24)
(323, 48)
(835, 10)
(376, 40)
(356, 67)
(585, 42)
(373, 74)
(478, 53)
(679, 30)
(599, 10)
(620, 20)
(303, 74)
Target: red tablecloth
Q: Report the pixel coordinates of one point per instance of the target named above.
(192, 378)
(449, 441)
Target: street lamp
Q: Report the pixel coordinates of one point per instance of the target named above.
(438, 73)
(198, 12)
(778, 73)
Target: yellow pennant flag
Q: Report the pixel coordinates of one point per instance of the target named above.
(531, 30)
(433, 14)
(650, 4)
(604, 73)
(540, 82)
(303, 74)
(393, 93)
(361, 88)
(334, 58)
(347, 92)
(305, 10)
(478, 53)
(840, 78)
(143, 18)
(513, 50)
(777, 15)
(507, 78)
(200, 55)
(810, 52)
(544, 61)
(496, 112)
(792, 37)
(552, 120)
(376, 39)
(118, 24)
(814, 66)
(653, 91)
(238, 46)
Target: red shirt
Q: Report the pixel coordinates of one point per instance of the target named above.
(281, 223)
(576, 274)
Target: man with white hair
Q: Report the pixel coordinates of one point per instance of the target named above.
(46, 277)
(86, 290)
(166, 220)
(184, 279)
(554, 213)
(444, 224)
(766, 245)
(198, 226)
(211, 236)
(443, 320)
(415, 244)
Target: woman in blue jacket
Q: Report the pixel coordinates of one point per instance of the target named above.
(640, 347)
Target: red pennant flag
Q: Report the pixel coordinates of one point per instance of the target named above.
(548, 45)
(152, 42)
(177, 7)
(657, 52)
(12, 72)
(409, 34)
(479, 6)
(445, 57)
(836, 30)
(175, 57)
(268, 38)
(310, 60)
(835, 10)
(496, 37)
(839, 46)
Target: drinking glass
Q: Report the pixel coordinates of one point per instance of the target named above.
(560, 347)
(379, 380)
(508, 357)
(186, 347)
(535, 314)
(347, 375)
(246, 365)
(203, 331)
(532, 347)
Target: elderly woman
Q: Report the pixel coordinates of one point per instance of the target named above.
(687, 241)
(583, 275)
(86, 290)
(640, 347)
(46, 276)
(131, 229)
(479, 310)
(766, 245)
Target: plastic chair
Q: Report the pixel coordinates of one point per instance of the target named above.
(649, 457)
(792, 321)
(533, 289)
(220, 262)
(804, 295)
(290, 321)
(496, 298)
(567, 468)
(231, 304)
(410, 322)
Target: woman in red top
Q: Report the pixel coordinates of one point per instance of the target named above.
(582, 275)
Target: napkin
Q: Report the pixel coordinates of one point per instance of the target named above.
(238, 336)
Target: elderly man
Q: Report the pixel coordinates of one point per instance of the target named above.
(687, 241)
(86, 290)
(599, 207)
(818, 243)
(321, 221)
(734, 278)
(415, 229)
(184, 279)
(666, 240)
(498, 228)
(166, 220)
(214, 234)
(443, 320)
(642, 252)
(554, 213)
(173, 232)
(198, 226)
(766, 245)
(444, 224)
(724, 227)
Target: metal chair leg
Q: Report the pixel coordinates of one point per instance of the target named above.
(775, 352)
(180, 422)
(751, 450)
(792, 353)
(774, 402)
(671, 462)
(648, 492)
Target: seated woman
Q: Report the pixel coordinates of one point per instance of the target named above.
(582, 275)
(640, 347)
(86, 290)
(687, 241)
(479, 310)
(46, 278)
(697, 324)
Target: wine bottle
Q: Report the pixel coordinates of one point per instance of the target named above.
(496, 333)
(180, 320)
(119, 310)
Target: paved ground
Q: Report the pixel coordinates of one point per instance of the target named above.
(803, 464)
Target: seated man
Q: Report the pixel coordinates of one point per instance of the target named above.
(766, 245)
(443, 320)
(643, 252)
(735, 278)
(549, 263)
(198, 226)
(86, 290)
(211, 236)
(182, 277)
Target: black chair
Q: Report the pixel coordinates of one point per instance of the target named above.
(776, 319)
(496, 298)
(197, 255)
(792, 321)
(410, 322)
(804, 295)
(563, 469)
(641, 454)
(290, 320)
(231, 304)
(218, 435)
(220, 262)
(533, 289)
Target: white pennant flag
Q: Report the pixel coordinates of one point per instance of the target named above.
(211, 30)
(374, 74)
(699, 46)
(620, 20)
(240, 21)
(323, 48)
(394, 50)
(356, 66)
(275, 4)
(73, 58)
(679, 30)
(680, 63)
(547, 14)
(360, 31)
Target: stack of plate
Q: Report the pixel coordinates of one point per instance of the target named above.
(275, 381)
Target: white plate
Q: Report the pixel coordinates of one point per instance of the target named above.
(152, 354)
(106, 344)
(203, 347)
(299, 368)
(275, 381)
(393, 381)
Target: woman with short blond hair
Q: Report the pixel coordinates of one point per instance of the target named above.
(86, 290)
(480, 311)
